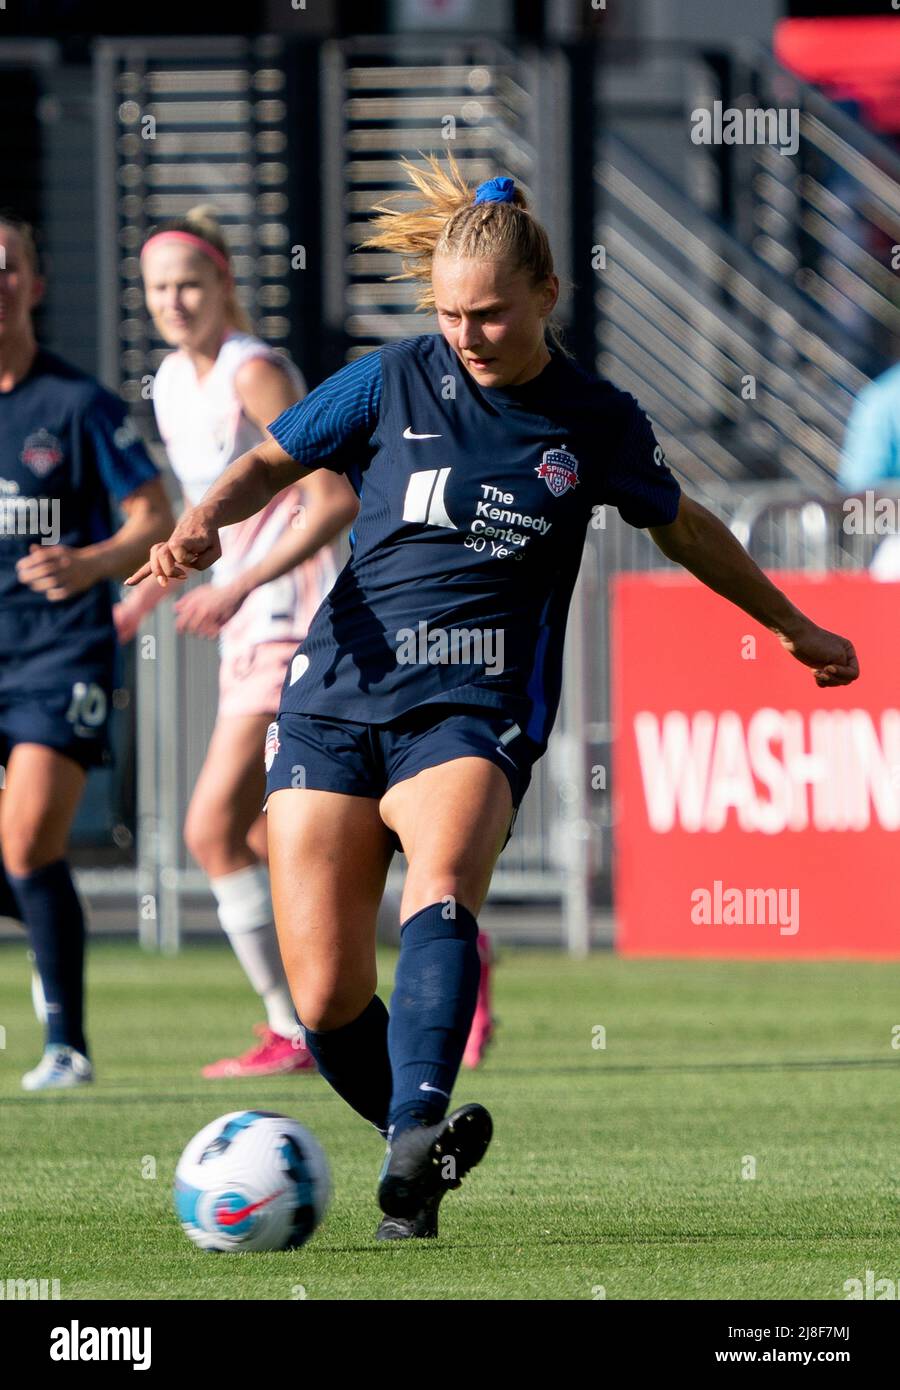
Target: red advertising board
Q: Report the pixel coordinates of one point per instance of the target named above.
(755, 814)
(851, 57)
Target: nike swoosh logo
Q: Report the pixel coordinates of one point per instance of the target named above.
(234, 1218)
(499, 750)
(408, 434)
(425, 1087)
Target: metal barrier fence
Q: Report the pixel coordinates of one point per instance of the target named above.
(178, 124)
(214, 110)
(562, 847)
(744, 300)
(698, 292)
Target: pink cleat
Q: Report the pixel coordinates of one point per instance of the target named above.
(483, 1024)
(274, 1056)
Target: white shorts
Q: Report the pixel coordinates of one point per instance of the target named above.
(250, 679)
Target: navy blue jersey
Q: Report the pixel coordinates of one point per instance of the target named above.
(66, 445)
(475, 503)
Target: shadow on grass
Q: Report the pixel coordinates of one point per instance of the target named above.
(123, 1093)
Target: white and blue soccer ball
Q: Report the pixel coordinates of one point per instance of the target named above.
(252, 1180)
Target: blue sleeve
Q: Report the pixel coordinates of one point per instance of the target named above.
(118, 449)
(868, 454)
(331, 426)
(637, 481)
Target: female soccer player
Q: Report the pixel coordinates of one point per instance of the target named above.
(429, 681)
(66, 445)
(212, 397)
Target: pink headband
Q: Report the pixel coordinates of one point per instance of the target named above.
(191, 240)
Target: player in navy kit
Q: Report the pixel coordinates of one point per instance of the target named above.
(66, 446)
(429, 680)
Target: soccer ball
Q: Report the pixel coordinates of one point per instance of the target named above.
(252, 1180)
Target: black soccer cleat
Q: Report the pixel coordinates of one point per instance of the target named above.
(424, 1225)
(428, 1160)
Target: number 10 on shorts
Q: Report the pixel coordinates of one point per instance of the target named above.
(88, 705)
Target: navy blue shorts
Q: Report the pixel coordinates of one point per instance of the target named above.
(73, 721)
(339, 755)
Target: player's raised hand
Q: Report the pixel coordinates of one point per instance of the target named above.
(193, 545)
(832, 657)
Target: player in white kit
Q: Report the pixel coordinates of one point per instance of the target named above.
(212, 397)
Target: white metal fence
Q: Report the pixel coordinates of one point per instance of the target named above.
(687, 303)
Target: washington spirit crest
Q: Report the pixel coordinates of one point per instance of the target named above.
(559, 470)
(42, 452)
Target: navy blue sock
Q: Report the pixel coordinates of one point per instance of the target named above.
(435, 991)
(9, 903)
(354, 1061)
(52, 913)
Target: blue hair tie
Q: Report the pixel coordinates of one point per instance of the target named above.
(496, 191)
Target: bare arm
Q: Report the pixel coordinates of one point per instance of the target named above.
(129, 612)
(265, 390)
(330, 506)
(148, 517)
(245, 488)
(703, 544)
(249, 484)
(59, 571)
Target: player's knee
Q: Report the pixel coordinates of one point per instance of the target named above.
(257, 840)
(25, 852)
(323, 1010)
(198, 848)
(447, 888)
(323, 1017)
(211, 842)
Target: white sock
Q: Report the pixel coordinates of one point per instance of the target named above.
(245, 912)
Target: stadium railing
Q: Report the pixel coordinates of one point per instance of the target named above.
(707, 281)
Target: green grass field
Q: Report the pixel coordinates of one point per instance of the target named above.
(617, 1167)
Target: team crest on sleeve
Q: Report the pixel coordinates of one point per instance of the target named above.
(559, 470)
(272, 745)
(42, 452)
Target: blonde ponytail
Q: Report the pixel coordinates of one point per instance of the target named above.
(447, 221)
